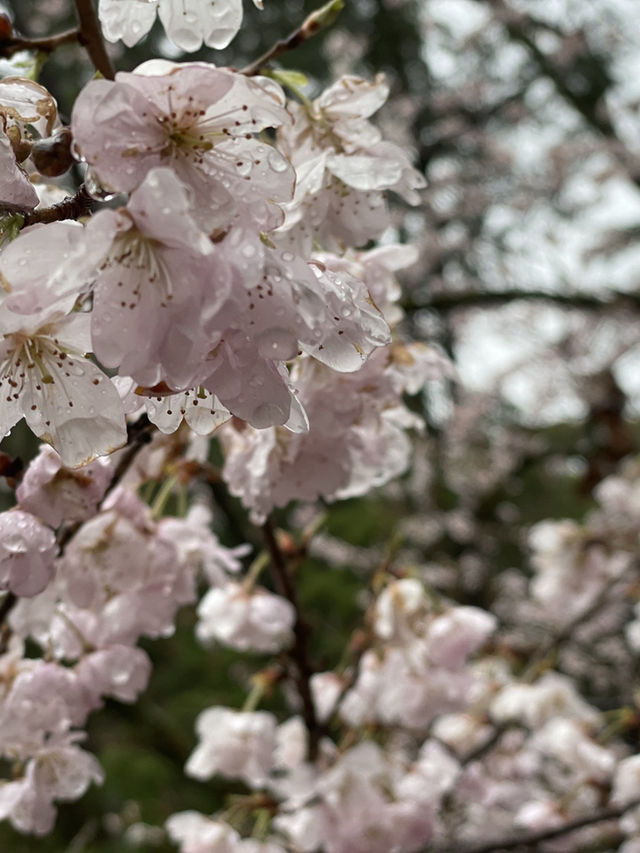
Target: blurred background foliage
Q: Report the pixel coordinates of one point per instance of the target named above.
(483, 472)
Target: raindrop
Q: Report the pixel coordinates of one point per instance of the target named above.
(95, 188)
(278, 344)
(267, 414)
(277, 162)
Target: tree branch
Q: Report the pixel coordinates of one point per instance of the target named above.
(533, 839)
(71, 208)
(445, 303)
(139, 434)
(13, 44)
(316, 21)
(8, 603)
(90, 37)
(519, 25)
(298, 654)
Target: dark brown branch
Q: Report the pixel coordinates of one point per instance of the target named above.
(12, 45)
(71, 208)
(8, 602)
(555, 642)
(90, 37)
(298, 654)
(316, 21)
(533, 839)
(138, 435)
(447, 302)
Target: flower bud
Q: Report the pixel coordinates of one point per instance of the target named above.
(6, 27)
(52, 156)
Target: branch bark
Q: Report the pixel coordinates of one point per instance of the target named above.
(90, 37)
(533, 839)
(316, 21)
(8, 603)
(445, 303)
(14, 44)
(71, 208)
(298, 655)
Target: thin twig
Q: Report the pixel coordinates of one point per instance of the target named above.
(90, 37)
(316, 21)
(138, 435)
(533, 839)
(298, 654)
(14, 44)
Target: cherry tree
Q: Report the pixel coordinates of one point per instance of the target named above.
(201, 322)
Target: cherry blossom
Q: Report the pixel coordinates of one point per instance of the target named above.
(27, 553)
(57, 494)
(16, 192)
(236, 744)
(351, 416)
(45, 378)
(342, 164)
(199, 120)
(150, 287)
(244, 618)
(188, 24)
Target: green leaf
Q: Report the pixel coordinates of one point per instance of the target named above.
(292, 79)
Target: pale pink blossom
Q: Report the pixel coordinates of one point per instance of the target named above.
(235, 744)
(57, 494)
(27, 552)
(196, 833)
(44, 376)
(354, 807)
(356, 439)
(60, 771)
(188, 23)
(245, 619)
(118, 671)
(342, 166)
(149, 292)
(535, 704)
(198, 120)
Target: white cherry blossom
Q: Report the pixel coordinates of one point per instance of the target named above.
(45, 378)
(236, 744)
(198, 120)
(188, 23)
(342, 166)
(245, 619)
(27, 553)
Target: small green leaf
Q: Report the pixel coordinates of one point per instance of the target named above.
(292, 79)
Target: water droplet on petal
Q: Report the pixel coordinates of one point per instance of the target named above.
(278, 344)
(95, 188)
(266, 415)
(277, 162)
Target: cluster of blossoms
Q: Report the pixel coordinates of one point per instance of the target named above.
(120, 575)
(257, 309)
